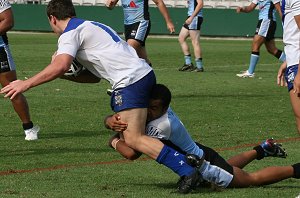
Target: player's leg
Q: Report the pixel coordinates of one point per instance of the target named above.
(270, 42)
(194, 32)
(268, 148)
(136, 35)
(7, 75)
(258, 40)
(295, 101)
(290, 74)
(265, 176)
(272, 49)
(183, 35)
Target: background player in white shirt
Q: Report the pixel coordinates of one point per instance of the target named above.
(8, 71)
(291, 39)
(137, 22)
(164, 125)
(96, 46)
(265, 32)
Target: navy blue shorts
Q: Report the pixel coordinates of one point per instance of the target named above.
(289, 75)
(133, 96)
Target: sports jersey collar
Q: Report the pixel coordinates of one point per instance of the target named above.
(73, 24)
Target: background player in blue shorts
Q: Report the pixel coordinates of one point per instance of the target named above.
(8, 72)
(164, 125)
(191, 28)
(264, 33)
(137, 23)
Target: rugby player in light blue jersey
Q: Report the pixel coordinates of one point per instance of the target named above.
(264, 34)
(137, 23)
(191, 28)
(164, 125)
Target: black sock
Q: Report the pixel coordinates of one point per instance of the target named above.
(296, 170)
(278, 54)
(260, 152)
(28, 125)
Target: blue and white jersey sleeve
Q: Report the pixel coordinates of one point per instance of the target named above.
(291, 33)
(4, 5)
(100, 50)
(169, 127)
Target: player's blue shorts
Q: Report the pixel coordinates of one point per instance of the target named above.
(290, 74)
(134, 96)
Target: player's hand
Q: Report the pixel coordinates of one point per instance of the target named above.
(171, 27)
(239, 9)
(189, 20)
(14, 88)
(114, 123)
(280, 75)
(110, 4)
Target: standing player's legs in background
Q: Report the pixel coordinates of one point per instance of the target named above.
(272, 49)
(254, 57)
(183, 35)
(21, 107)
(195, 37)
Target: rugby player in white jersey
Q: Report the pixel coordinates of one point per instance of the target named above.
(104, 54)
(264, 34)
(8, 71)
(191, 28)
(164, 125)
(137, 22)
(291, 39)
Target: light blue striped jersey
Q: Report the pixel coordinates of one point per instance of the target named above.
(266, 9)
(135, 11)
(191, 7)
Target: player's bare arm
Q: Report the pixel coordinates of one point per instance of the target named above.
(280, 75)
(164, 11)
(6, 21)
(278, 9)
(58, 67)
(246, 9)
(110, 4)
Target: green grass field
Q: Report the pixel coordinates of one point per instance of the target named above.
(72, 159)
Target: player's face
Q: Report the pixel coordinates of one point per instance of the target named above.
(155, 110)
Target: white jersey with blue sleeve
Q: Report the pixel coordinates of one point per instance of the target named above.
(291, 33)
(135, 11)
(191, 8)
(100, 50)
(169, 127)
(266, 9)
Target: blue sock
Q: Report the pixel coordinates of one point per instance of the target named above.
(175, 161)
(187, 59)
(253, 61)
(282, 57)
(199, 64)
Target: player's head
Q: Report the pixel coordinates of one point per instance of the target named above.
(61, 9)
(160, 99)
